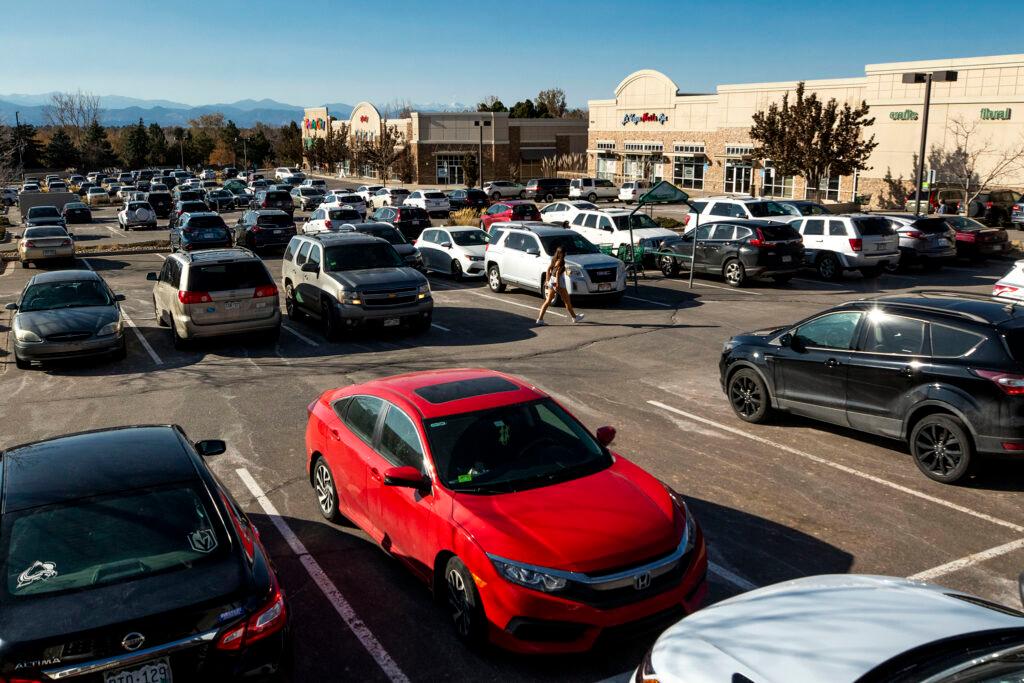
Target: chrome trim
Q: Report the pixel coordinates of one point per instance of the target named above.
(120, 661)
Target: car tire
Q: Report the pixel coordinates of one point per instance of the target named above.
(592, 198)
(734, 273)
(330, 322)
(422, 325)
(179, 343)
(494, 279)
(828, 268)
(549, 197)
(872, 273)
(669, 266)
(457, 273)
(463, 601)
(325, 490)
(930, 444)
(522, 194)
(290, 305)
(25, 264)
(748, 396)
(21, 363)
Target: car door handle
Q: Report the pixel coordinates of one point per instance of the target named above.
(375, 474)
(832, 363)
(908, 371)
(335, 434)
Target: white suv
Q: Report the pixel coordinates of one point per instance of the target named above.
(750, 208)
(835, 244)
(612, 227)
(593, 189)
(434, 202)
(631, 190)
(519, 254)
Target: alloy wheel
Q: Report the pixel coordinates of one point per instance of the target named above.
(458, 600)
(734, 274)
(323, 484)
(939, 449)
(745, 395)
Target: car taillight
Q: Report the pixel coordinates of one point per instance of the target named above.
(686, 219)
(1012, 385)
(255, 228)
(264, 204)
(264, 290)
(194, 297)
(66, 242)
(912, 234)
(19, 680)
(856, 244)
(266, 621)
(757, 241)
(30, 244)
(966, 236)
(328, 224)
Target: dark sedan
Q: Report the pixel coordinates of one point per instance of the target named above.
(220, 200)
(39, 216)
(737, 250)
(410, 254)
(468, 199)
(977, 241)
(138, 567)
(66, 314)
(203, 230)
(76, 212)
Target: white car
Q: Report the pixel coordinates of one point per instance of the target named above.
(456, 250)
(330, 219)
(124, 192)
(282, 172)
(134, 215)
(519, 254)
(836, 244)
(841, 629)
(367, 191)
(612, 227)
(751, 208)
(431, 201)
(504, 189)
(1011, 286)
(316, 183)
(593, 189)
(340, 198)
(562, 213)
(631, 190)
(389, 196)
(207, 174)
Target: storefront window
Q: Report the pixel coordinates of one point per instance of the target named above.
(776, 184)
(606, 168)
(737, 177)
(688, 173)
(449, 170)
(829, 189)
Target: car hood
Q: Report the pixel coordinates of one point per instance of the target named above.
(614, 518)
(821, 628)
(648, 233)
(379, 278)
(64, 320)
(592, 261)
(33, 222)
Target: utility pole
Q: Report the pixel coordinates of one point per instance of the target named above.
(927, 79)
(17, 135)
(480, 171)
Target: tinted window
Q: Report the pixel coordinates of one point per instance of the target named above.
(342, 215)
(386, 233)
(951, 342)
(31, 233)
(303, 254)
(571, 242)
(277, 195)
(776, 233)
(70, 294)
(399, 441)
(639, 220)
(763, 209)
(43, 212)
(279, 220)
(894, 334)
(314, 256)
(289, 250)
(522, 211)
(723, 232)
(831, 331)
(410, 213)
(836, 229)
(814, 226)
(494, 235)
(721, 209)
(930, 225)
(578, 219)
(434, 195)
(873, 226)
(205, 222)
(361, 415)
(362, 257)
(468, 238)
(516, 241)
(221, 276)
(590, 221)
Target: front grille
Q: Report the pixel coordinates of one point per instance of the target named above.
(389, 298)
(627, 595)
(542, 630)
(68, 336)
(601, 274)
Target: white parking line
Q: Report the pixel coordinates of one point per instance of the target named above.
(330, 591)
(731, 577)
(142, 338)
(515, 303)
(843, 468)
(968, 561)
(116, 232)
(648, 301)
(440, 327)
(288, 328)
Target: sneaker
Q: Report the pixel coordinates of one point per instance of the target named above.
(578, 317)
(540, 322)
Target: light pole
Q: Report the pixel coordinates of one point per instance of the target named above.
(480, 171)
(927, 79)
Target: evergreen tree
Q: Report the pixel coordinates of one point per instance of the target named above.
(288, 145)
(97, 152)
(61, 153)
(159, 152)
(31, 150)
(259, 147)
(136, 149)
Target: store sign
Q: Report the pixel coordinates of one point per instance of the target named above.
(996, 114)
(637, 119)
(314, 124)
(364, 119)
(905, 115)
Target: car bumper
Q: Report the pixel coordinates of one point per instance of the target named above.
(94, 346)
(356, 315)
(39, 253)
(529, 621)
(579, 287)
(869, 260)
(983, 248)
(194, 330)
(149, 225)
(932, 254)
(473, 268)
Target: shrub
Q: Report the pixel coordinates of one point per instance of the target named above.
(465, 216)
(668, 222)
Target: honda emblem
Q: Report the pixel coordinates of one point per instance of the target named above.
(642, 581)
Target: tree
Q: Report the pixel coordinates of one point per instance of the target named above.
(211, 124)
(577, 113)
(29, 151)
(338, 149)
(201, 149)
(405, 168)
(527, 110)
(97, 152)
(316, 152)
(974, 163)
(470, 169)
(552, 99)
(9, 170)
(61, 151)
(159, 154)
(288, 144)
(382, 151)
(259, 148)
(136, 148)
(397, 108)
(223, 154)
(514, 171)
(74, 112)
(491, 103)
(813, 139)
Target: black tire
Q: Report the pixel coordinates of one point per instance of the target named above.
(522, 194)
(178, 342)
(549, 197)
(592, 198)
(669, 266)
(872, 273)
(494, 279)
(330, 322)
(748, 396)
(326, 492)
(782, 279)
(942, 448)
(457, 273)
(734, 273)
(463, 601)
(290, 304)
(25, 264)
(21, 363)
(828, 267)
(421, 325)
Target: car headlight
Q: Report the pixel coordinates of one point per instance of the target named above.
(528, 576)
(110, 328)
(351, 298)
(424, 290)
(475, 258)
(25, 336)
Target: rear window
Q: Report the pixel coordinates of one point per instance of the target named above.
(524, 210)
(278, 195)
(433, 195)
(344, 215)
(385, 233)
(764, 209)
(350, 199)
(43, 212)
(280, 220)
(188, 207)
(930, 225)
(873, 226)
(221, 276)
(44, 232)
(777, 233)
(412, 212)
(206, 222)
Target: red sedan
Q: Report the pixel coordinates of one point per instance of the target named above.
(536, 535)
(515, 210)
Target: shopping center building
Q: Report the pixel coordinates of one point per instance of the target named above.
(440, 141)
(650, 130)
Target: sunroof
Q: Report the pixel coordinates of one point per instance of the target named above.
(467, 388)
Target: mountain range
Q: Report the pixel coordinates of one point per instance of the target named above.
(119, 110)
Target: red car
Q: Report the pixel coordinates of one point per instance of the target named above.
(516, 210)
(534, 533)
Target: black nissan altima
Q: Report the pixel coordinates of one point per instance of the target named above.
(123, 559)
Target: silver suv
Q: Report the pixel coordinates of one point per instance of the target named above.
(216, 292)
(348, 279)
(835, 244)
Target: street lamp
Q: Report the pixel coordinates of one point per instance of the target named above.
(927, 79)
(480, 172)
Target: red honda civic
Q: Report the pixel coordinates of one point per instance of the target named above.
(536, 536)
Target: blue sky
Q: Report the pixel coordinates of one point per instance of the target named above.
(308, 53)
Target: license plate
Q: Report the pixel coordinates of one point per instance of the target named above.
(277, 232)
(157, 671)
(942, 242)
(604, 286)
(49, 252)
(392, 322)
(881, 247)
(787, 259)
(231, 305)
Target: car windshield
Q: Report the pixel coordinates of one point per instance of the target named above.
(386, 233)
(106, 540)
(640, 220)
(361, 257)
(469, 238)
(218, 277)
(930, 225)
(47, 296)
(43, 212)
(763, 209)
(220, 193)
(571, 242)
(55, 231)
(512, 448)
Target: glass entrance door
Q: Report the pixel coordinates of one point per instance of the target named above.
(737, 178)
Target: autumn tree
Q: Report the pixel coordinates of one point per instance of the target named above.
(812, 138)
(338, 149)
(222, 154)
(553, 100)
(61, 152)
(73, 112)
(136, 147)
(470, 169)
(973, 162)
(382, 151)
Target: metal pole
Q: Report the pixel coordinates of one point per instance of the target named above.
(245, 152)
(181, 148)
(17, 132)
(632, 246)
(924, 139)
(693, 249)
(480, 171)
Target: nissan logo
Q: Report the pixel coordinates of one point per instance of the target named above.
(642, 581)
(133, 641)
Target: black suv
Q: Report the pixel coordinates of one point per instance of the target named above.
(547, 189)
(161, 203)
(993, 208)
(473, 199)
(275, 199)
(943, 372)
(263, 228)
(410, 220)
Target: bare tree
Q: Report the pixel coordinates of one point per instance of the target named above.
(554, 100)
(398, 108)
(975, 163)
(74, 112)
(382, 151)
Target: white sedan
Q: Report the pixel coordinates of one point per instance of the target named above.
(841, 629)
(561, 213)
(1012, 284)
(339, 198)
(367, 191)
(431, 201)
(456, 250)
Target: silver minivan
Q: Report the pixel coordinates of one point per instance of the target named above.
(593, 189)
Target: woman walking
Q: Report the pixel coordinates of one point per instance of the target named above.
(554, 280)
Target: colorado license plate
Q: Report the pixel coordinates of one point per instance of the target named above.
(157, 671)
(231, 305)
(942, 242)
(392, 322)
(604, 287)
(49, 252)
(881, 247)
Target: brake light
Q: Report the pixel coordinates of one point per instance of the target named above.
(19, 680)
(856, 244)
(328, 224)
(966, 236)
(686, 219)
(268, 620)
(263, 205)
(988, 205)
(757, 241)
(913, 234)
(30, 244)
(264, 290)
(1012, 385)
(194, 297)
(1013, 446)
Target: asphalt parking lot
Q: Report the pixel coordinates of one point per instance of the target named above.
(776, 502)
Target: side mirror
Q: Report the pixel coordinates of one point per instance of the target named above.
(446, 245)
(310, 268)
(605, 435)
(210, 447)
(786, 339)
(119, 297)
(11, 307)
(406, 476)
(533, 251)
